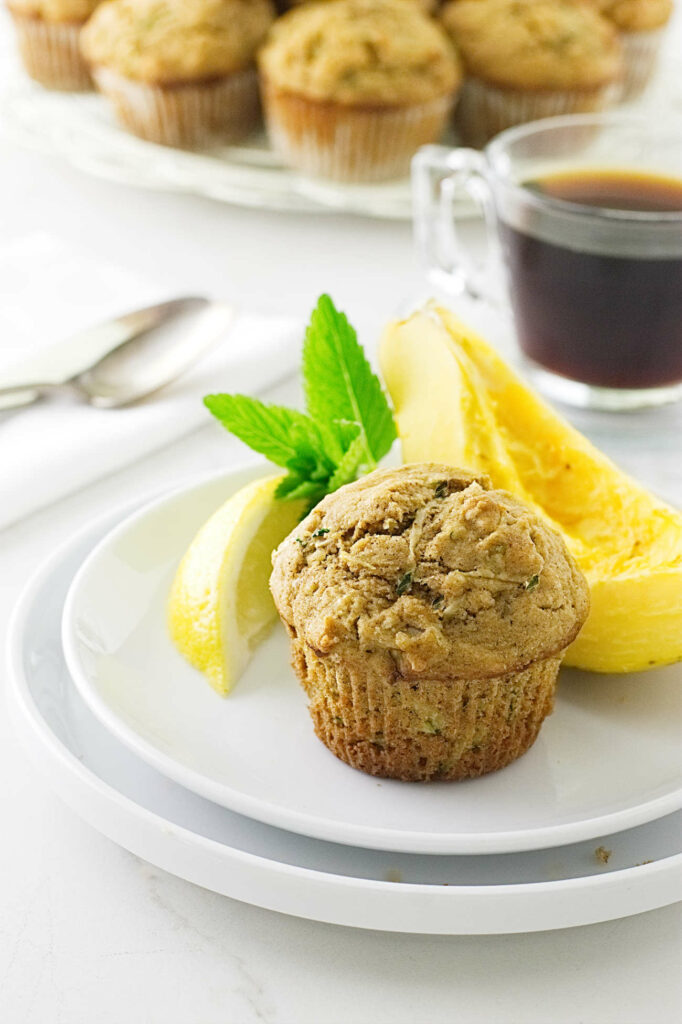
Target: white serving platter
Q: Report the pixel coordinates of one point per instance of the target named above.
(158, 820)
(608, 759)
(80, 128)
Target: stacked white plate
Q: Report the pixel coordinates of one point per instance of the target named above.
(239, 796)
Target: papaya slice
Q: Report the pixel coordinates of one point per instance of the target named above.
(457, 401)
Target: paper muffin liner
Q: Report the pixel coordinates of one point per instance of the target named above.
(416, 730)
(640, 53)
(346, 143)
(189, 114)
(484, 110)
(51, 54)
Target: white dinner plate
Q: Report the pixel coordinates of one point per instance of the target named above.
(609, 758)
(182, 833)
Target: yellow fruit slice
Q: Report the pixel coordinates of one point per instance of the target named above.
(457, 401)
(220, 605)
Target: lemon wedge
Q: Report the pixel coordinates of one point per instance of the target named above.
(220, 605)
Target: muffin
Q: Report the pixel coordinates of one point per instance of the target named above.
(427, 615)
(179, 72)
(47, 33)
(527, 59)
(352, 88)
(641, 24)
(426, 5)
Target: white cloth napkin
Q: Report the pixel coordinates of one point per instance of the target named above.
(48, 450)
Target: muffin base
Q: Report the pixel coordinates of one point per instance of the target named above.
(426, 729)
(186, 114)
(51, 54)
(640, 53)
(347, 143)
(484, 110)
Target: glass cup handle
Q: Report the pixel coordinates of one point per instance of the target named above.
(440, 176)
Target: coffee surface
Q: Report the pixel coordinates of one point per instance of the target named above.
(613, 190)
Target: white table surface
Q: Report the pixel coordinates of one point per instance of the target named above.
(89, 934)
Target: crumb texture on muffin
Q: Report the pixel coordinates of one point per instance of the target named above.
(360, 51)
(430, 572)
(168, 41)
(54, 10)
(535, 44)
(636, 15)
(426, 5)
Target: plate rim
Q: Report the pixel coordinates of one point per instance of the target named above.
(172, 847)
(256, 808)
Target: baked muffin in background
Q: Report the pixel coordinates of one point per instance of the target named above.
(427, 615)
(426, 5)
(527, 59)
(179, 72)
(47, 34)
(641, 24)
(352, 88)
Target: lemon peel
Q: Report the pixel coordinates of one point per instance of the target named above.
(220, 605)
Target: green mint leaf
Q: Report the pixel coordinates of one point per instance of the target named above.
(307, 489)
(339, 383)
(294, 488)
(286, 437)
(286, 485)
(349, 467)
(404, 584)
(337, 436)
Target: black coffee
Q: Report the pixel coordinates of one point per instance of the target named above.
(608, 320)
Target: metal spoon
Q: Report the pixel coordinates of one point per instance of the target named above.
(153, 346)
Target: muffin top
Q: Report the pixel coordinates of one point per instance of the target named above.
(360, 51)
(54, 10)
(426, 5)
(635, 15)
(168, 41)
(429, 566)
(534, 44)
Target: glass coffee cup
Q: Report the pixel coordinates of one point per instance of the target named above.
(585, 213)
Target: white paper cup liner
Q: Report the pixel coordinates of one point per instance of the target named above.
(350, 144)
(640, 53)
(484, 110)
(51, 54)
(188, 114)
(448, 729)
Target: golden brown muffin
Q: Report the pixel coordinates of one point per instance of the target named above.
(641, 24)
(47, 33)
(636, 15)
(171, 41)
(180, 72)
(427, 615)
(353, 87)
(527, 59)
(426, 5)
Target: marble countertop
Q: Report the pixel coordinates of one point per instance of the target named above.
(89, 933)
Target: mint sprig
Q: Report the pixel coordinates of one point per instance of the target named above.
(339, 384)
(348, 426)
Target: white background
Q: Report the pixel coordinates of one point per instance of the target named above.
(91, 935)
